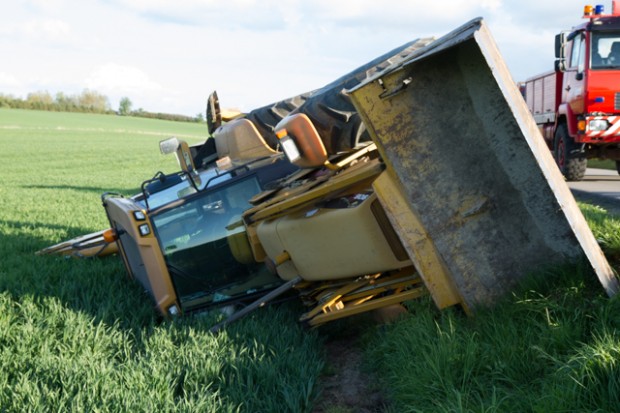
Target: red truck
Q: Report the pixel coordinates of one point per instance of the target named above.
(577, 105)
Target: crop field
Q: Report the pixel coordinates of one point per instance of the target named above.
(78, 335)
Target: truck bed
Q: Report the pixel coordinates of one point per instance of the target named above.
(542, 95)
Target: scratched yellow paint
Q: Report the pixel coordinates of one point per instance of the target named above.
(419, 245)
(475, 204)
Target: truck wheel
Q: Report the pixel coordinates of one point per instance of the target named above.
(573, 168)
(618, 167)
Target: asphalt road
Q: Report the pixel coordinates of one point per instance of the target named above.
(600, 187)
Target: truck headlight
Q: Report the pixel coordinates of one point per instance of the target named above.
(597, 125)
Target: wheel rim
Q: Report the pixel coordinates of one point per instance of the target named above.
(561, 153)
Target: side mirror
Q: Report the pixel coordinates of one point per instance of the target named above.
(214, 115)
(181, 149)
(560, 41)
(560, 53)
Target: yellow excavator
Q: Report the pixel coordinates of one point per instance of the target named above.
(421, 173)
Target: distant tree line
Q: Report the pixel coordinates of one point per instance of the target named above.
(89, 101)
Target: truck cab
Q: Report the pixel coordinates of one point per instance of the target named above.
(577, 106)
(588, 124)
(591, 81)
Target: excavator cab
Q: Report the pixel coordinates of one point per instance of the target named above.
(186, 243)
(205, 247)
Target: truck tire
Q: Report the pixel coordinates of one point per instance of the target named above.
(618, 167)
(573, 168)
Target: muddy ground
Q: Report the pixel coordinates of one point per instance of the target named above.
(347, 385)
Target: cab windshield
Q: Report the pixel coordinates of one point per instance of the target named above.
(605, 50)
(206, 249)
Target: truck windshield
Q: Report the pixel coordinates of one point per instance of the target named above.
(605, 50)
(206, 248)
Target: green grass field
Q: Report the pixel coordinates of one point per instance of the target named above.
(77, 335)
(606, 164)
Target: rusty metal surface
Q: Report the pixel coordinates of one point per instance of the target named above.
(465, 153)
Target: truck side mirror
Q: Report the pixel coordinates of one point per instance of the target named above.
(560, 41)
(560, 53)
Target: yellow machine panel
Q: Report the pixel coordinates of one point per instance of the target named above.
(333, 242)
(483, 197)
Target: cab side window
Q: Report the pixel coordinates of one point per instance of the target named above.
(578, 53)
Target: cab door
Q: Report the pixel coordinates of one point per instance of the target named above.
(574, 78)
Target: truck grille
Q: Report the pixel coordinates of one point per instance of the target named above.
(617, 101)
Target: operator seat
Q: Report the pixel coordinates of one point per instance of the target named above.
(597, 60)
(614, 54)
(240, 140)
(299, 127)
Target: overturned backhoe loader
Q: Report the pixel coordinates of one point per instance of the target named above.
(427, 175)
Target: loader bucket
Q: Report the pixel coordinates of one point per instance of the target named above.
(470, 185)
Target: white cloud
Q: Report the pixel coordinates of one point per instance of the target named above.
(47, 5)
(168, 55)
(117, 81)
(46, 28)
(117, 78)
(8, 81)
(415, 16)
(38, 29)
(234, 14)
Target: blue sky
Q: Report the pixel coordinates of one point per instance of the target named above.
(168, 55)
